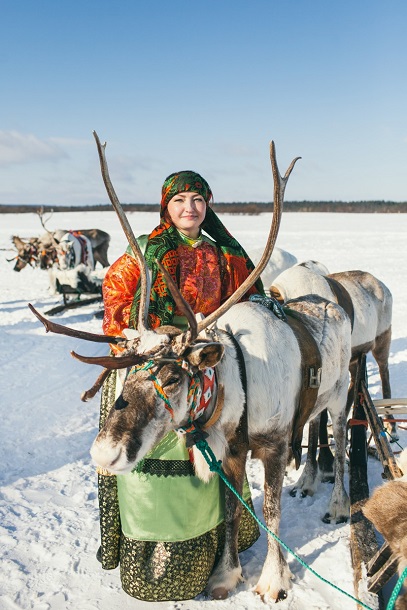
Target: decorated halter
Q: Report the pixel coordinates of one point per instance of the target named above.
(200, 391)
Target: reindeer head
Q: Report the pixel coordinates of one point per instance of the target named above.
(27, 252)
(47, 257)
(47, 243)
(154, 398)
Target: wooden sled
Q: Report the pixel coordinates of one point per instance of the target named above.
(72, 296)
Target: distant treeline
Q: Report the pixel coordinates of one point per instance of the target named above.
(231, 208)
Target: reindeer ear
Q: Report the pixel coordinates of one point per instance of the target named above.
(276, 294)
(204, 355)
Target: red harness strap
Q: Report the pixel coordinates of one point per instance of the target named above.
(358, 422)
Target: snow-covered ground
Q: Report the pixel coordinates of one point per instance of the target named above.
(49, 530)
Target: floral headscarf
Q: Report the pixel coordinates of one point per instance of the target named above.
(181, 182)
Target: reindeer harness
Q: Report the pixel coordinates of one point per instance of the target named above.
(202, 386)
(311, 368)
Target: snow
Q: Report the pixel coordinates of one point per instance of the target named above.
(49, 530)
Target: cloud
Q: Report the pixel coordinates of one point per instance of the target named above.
(18, 149)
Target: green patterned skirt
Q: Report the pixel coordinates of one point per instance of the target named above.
(161, 523)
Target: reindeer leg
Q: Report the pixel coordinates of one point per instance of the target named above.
(275, 577)
(338, 510)
(381, 351)
(325, 458)
(228, 572)
(308, 480)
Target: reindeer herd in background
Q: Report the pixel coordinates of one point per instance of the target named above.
(69, 256)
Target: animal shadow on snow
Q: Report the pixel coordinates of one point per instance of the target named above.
(11, 306)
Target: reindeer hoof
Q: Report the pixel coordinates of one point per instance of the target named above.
(326, 518)
(219, 593)
(342, 519)
(266, 597)
(293, 492)
(282, 594)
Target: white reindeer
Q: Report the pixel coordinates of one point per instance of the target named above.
(279, 261)
(369, 303)
(273, 363)
(74, 249)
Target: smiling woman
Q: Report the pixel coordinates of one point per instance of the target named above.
(187, 212)
(161, 522)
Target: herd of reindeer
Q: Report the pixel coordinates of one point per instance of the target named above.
(69, 256)
(305, 360)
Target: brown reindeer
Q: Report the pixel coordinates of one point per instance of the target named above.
(387, 510)
(272, 358)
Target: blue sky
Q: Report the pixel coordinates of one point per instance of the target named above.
(204, 85)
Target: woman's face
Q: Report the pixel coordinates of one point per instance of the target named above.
(187, 211)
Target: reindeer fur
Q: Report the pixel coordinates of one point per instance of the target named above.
(279, 261)
(386, 509)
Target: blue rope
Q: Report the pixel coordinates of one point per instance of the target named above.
(396, 590)
(386, 432)
(216, 466)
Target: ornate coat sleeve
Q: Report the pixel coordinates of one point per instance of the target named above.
(118, 288)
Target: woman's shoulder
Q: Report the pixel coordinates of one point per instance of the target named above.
(208, 240)
(142, 242)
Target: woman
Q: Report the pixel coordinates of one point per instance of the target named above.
(160, 522)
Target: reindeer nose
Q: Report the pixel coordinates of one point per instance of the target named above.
(108, 455)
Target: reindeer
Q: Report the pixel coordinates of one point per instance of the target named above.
(27, 252)
(61, 247)
(238, 334)
(386, 509)
(279, 261)
(75, 245)
(369, 304)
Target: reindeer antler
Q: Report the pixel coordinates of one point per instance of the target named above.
(144, 272)
(111, 362)
(78, 334)
(85, 396)
(40, 213)
(279, 188)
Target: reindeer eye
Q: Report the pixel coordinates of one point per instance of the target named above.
(173, 380)
(120, 403)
